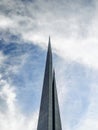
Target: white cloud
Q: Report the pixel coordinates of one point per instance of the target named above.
(12, 118)
(73, 28)
(20, 61)
(89, 120)
(74, 33)
(2, 58)
(5, 22)
(88, 124)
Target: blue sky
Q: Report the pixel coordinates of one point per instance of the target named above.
(25, 26)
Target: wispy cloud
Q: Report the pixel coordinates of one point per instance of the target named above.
(5, 22)
(76, 88)
(73, 26)
(2, 58)
(91, 118)
(12, 118)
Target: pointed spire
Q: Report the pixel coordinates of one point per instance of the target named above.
(49, 47)
(45, 115)
(49, 40)
(49, 116)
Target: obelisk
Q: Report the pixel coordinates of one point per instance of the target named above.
(49, 115)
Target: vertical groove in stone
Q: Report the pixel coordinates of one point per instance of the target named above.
(56, 112)
(53, 98)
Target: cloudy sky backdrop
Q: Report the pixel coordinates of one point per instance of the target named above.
(25, 26)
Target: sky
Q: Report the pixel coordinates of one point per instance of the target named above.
(25, 27)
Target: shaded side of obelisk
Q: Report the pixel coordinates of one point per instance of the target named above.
(56, 111)
(45, 115)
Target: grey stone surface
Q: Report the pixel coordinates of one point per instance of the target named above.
(56, 112)
(49, 116)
